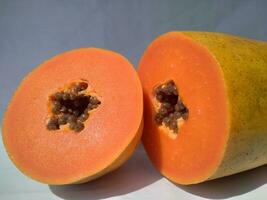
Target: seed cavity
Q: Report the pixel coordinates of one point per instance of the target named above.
(71, 107)
(171, 107)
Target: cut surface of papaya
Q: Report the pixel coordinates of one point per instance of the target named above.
(75, 117)
(205, 101)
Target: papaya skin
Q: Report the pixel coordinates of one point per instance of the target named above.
(244, 65)
(132, 135)
(222, 80)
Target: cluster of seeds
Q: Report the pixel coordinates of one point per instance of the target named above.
(171, 107)
(71, 107)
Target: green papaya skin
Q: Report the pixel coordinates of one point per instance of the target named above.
(244, 66)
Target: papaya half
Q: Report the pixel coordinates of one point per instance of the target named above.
(75, 117)
(205, 102)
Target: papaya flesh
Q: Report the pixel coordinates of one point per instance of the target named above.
(221, 79)
(75, 117)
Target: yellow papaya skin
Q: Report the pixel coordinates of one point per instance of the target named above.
(244, 66)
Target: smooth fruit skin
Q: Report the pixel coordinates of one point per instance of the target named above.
(244, 65)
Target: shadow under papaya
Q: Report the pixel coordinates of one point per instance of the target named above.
(136, 173)
(230, 186)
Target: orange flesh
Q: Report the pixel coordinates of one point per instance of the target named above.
(195, 154)
(64, 156)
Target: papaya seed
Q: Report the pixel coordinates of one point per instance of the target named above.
(72, 107)
(172, 108)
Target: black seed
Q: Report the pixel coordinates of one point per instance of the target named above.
(173, 124)
(52, 127)
(163, 111)
(66, 115)
(171, 116)
(52, 124)
(159, 97)
(167, 91)
(55, 110)
(72, 96)
(177, 114)
(176, 107)
(94, 101)
(63, 109)
(65, 96)
(171, 84)
(170, 109)
(70, 111)
(166, 105)
(78, 126)
(172, 99)
(83, 117)
(62, 120)
(158, 89)
(159, 118)
(87, 110)
(94, 106)
(89, 106)
(72, 125)
(76, 113)
(58, 95)
(76, 102)
(166, 120)
(185, 116)
(170, 88)
(180, 105)
(185, 110)
(71, 119)
(57, 103)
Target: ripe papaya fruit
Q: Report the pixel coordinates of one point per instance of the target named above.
(75, 117)
(205, 102)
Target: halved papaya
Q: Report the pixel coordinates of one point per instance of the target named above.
(205, 102)
(75, 117)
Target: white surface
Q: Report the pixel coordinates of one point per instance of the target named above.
(31, 31)
(136, 180)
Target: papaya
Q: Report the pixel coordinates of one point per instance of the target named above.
(205, 102)
(75, 117)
